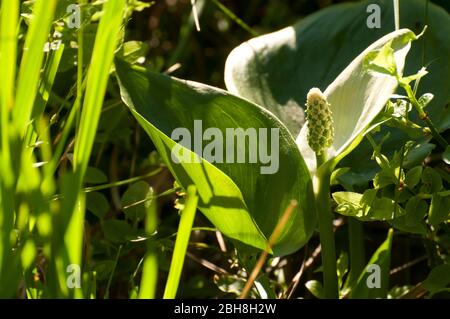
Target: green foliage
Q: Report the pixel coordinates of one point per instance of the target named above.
(232, 195)
(438, 279)
(97, 204)
(82, 189)
(332, 38)
(136, 200)
(378, 287)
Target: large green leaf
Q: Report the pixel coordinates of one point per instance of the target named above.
(277, 70)
(235, 197)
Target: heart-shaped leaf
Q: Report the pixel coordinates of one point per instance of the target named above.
(236, 197)
(277, 70)
(136, 200)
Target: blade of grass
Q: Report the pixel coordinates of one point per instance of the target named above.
(181, 243)
(30, 67)
(8, 48)
(97, 79)
(235, 18)
(67, 128)
(98, 74)
(45, 88)
(108, 285)
(149, 278)
(8, 52)
(80, 62)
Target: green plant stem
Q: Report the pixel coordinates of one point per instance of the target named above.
(424, 116)
(123, 182)
(185, 35)
(326, 231)
(108, 285)
(320, 159)
(356, 247)
(235, 18)
(149, 279)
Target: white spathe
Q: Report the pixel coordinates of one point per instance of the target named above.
(357, 97)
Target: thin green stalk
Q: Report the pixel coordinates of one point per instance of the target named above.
(149, 278)
(425, 38)
(424, 116)
(326, 231)
(165, 193)
(80, 62)
(185, 35)
(48, 78)
(235, 18)
(356, 248)
(108, 285)
(122, 182)
(181, 243)
(66, 129)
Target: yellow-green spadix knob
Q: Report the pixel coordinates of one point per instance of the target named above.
(319, 121)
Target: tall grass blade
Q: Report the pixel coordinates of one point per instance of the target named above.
(45, 88)
(181, 243)
(30, 67)
(150, 268)
(97, 79)
(8, 52)
(103, 53)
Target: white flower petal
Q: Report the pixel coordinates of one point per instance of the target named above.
(358, 96)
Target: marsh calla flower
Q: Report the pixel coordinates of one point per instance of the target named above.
(356, 97)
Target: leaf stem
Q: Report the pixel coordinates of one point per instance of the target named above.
(234, 17)
(424, 116)
(123, 182)
(326, 231)
(108, 285)
(356, 248)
